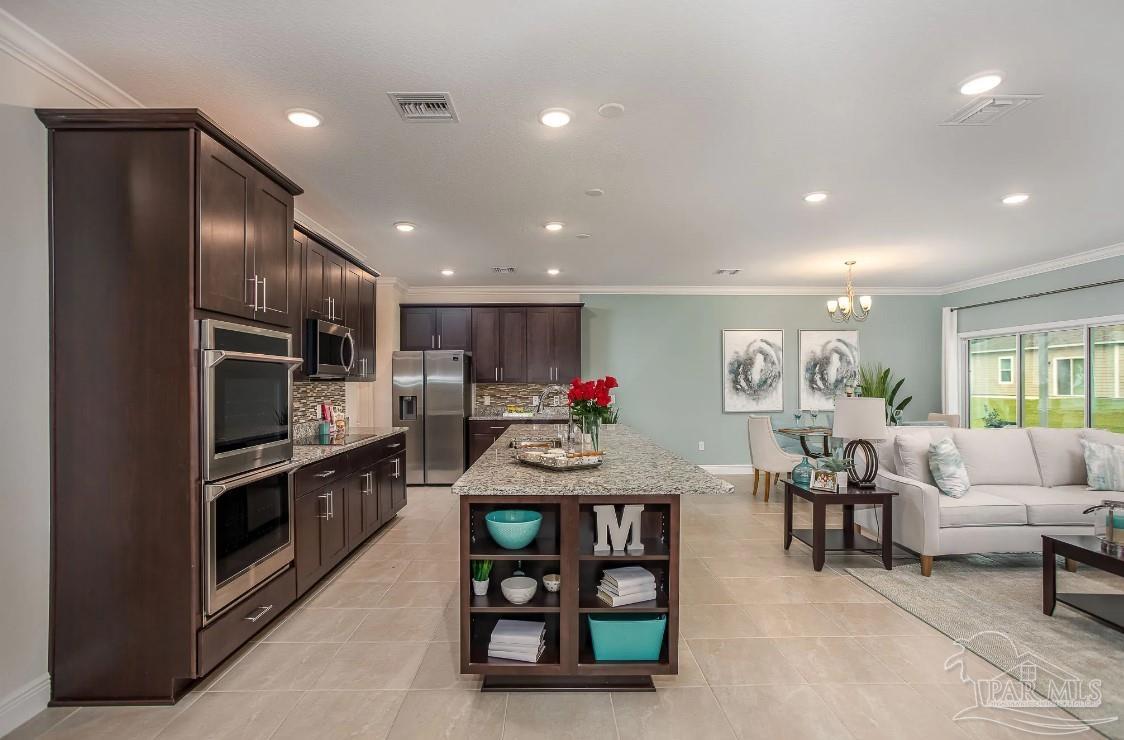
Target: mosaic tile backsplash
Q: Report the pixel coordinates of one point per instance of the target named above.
(307, 397)
(502, 394)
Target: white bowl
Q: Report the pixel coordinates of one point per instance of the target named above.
(519, 589)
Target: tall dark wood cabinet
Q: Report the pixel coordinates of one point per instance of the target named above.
(155, 215)
(553, 344)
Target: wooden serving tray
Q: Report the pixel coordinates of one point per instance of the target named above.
(556, 462)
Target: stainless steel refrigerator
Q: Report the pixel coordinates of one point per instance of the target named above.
(432, 399)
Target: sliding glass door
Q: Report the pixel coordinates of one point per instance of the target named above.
(1108, 377)
(1053, 389)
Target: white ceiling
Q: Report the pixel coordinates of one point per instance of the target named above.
(735, 108)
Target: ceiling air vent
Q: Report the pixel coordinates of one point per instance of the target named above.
(727, 271)
(433, 106)
(987, 109)
(504, 270)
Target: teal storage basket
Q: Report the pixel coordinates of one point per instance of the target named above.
(627, 636)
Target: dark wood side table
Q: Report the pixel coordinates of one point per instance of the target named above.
(1107, 608)
(821, 539)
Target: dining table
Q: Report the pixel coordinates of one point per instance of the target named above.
(804, 434)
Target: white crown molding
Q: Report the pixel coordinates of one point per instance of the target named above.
(1038, 268)
(32, 49)
(770, 290)
(24, 703)
(305, 220)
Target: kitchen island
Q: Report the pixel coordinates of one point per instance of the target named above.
(635, 471)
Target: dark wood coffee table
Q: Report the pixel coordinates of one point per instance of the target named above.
(1107, 608)
(821, 539)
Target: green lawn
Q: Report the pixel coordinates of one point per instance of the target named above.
(1108, 413)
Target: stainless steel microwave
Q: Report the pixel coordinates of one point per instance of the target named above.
(329, 350)
(247, 397)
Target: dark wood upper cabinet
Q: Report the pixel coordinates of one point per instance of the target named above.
(454, 327)
(297, 247)
(335, 272)
(226, 254)
(567, 344)
(315, 303)
(245, 220)
(513, 345)
(351, 314)
(486, 345)
(540, 344)
(365, 342)
(419, 328)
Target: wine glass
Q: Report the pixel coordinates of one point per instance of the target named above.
(798, 415)
(813, 413)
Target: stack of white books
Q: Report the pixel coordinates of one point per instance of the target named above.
(515, 639)
(628, 585)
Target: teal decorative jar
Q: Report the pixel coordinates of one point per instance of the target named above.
(802, 473)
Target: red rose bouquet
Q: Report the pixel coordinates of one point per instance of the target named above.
(591, 404)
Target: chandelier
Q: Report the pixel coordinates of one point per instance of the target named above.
(844, 308)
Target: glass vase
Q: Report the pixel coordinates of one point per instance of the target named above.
(591, 427)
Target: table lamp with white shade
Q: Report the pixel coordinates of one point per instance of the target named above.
(859, 420)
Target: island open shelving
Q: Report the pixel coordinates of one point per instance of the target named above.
(635, 472)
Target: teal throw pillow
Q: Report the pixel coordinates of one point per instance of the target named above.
(948, 468)
(1104, 465)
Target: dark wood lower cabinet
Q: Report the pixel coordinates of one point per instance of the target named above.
(226, 634)
(483, 433)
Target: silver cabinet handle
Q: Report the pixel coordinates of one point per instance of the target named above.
(254, 279)
(331, 504)
(397, 470)
(501, 374)
(433, 341)
(259, 613)
(327, 507)
(496, 374)
(393, 446)
(325, 474)
(438, 341)
(264, 300)
(497, 427)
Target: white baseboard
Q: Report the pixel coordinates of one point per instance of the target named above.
(24, 703)
(728, 469)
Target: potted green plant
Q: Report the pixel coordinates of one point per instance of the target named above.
(876, 381)
(835, 465)
(481, 574)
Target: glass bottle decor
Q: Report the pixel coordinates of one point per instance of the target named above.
(802, 473)
(591, 425)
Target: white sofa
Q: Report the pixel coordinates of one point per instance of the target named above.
(1024, 483)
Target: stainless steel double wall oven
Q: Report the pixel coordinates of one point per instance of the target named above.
(247, 391)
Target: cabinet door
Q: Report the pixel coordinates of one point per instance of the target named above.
(540, 345)
(478, 444)
(296, 297)
(226, 259)
(365, 341)
(315, 299)
(335, 271)
(513, 345)
(351, 278)
(419, 328)
(398, 482)
(370, 487)
(307, 515)
(454, 327)
(384, 478)
(486, 344)
(333, 529)
(272, 227)
(353, 493)
(567, 337)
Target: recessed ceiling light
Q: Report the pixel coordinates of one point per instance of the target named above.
(553, 225)
(405, 226)
(555, 117)
(595, 192)
(553, 271)
(1015, 199)
(303, 117)
(582, 236)
(817, 197)
(447, 272)
(980, 83)
(611, 110)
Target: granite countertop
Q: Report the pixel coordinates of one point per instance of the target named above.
(309, 453)
(550, 413)
(634, 466)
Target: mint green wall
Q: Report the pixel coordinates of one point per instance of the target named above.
(666, 351)
(1078, 304)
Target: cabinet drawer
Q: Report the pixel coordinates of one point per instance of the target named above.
(497, 427)
(368, 455)
(226, 634)
(319, 474)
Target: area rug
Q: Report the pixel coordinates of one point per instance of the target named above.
(993, 606)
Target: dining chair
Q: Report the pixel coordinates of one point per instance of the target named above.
(952, 420)
(766, 454)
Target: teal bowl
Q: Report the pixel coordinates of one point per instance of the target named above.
(513, 529)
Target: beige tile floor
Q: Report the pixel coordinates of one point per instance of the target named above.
(768, 649)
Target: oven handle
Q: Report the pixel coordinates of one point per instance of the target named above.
(213, 357)
(212, 491)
